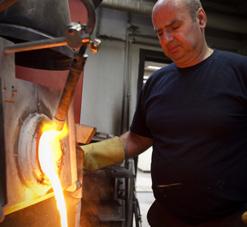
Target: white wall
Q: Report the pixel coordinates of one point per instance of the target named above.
(114, 67)
(103, 88)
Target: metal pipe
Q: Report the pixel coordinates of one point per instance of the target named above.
(129, 5)
(91, 14)
(91, 5)
(42, 44)
(126, 85)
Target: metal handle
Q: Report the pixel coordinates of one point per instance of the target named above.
(42, 44)
(76, 68)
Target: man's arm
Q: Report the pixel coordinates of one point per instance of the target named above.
(134, 144)
(113, 151)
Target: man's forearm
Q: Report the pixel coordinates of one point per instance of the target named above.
(134, 144)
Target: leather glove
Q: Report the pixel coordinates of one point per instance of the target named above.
(102, 154)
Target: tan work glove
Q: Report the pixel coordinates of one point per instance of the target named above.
(102, 154)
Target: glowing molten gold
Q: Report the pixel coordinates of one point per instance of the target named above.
(50, 154)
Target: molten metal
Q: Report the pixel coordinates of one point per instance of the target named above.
(50, 154)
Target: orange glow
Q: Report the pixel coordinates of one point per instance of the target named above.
(50, 154)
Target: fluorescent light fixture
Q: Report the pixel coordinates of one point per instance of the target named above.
(152, 67)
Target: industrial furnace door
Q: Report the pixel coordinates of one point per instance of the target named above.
(23, 105)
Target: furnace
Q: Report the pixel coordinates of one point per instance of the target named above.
(42, 57)
(31, 44)
(24, 109)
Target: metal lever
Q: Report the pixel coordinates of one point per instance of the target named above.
(76, 68)
(76, 35)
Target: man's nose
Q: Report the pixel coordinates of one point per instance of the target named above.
(167, 36)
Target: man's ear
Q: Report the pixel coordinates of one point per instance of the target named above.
(201, 18)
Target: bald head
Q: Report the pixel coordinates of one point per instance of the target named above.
(191, 5)
(180, 27)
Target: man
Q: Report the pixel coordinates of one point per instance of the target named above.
(194, 114)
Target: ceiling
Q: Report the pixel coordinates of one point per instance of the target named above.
(227, 20)
(237, 7)
(231, 7)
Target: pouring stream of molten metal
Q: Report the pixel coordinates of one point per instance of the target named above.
(49, 154)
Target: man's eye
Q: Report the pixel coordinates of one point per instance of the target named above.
(159, 32)
(175, 26)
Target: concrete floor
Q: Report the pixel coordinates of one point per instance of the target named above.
(144, 194)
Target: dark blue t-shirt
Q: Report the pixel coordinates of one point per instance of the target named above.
(197, 118)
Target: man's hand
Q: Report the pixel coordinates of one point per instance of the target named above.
(102, 154)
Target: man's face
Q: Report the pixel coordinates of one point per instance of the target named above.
(181, 37)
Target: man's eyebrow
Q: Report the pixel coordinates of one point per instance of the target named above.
(167, 26)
